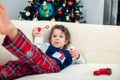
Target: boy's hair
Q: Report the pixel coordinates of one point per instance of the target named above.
(65, 31)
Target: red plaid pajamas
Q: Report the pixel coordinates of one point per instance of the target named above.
(31, 59)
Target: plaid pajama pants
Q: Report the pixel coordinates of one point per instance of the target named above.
(31, 59)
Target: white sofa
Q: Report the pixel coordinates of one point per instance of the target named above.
(99, 44)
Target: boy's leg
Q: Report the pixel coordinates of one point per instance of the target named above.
(15, 69)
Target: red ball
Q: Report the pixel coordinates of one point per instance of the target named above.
(72, 16)
(49, 0)
(70, 3)
(59, 12)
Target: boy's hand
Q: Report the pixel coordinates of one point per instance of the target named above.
(74, 53)
(36, 32)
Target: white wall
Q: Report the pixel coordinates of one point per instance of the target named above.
(93, 9)
(13, 7)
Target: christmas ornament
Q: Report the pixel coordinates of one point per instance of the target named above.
(70, 3)
(63, 4)
(49, 0)
(60, 12)
(72, 16)
(46, 9)
(31, 2)
(27, 13)
(67, 10)
(67, 18)
(77, 11)
(55, 10)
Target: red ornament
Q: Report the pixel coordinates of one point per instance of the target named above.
(70, 3)
(49, 0)
(59, 12)
(72, 16)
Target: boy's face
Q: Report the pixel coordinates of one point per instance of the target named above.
(58, 39)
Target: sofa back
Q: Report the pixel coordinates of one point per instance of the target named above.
(97, 43)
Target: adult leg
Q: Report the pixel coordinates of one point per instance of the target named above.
(1, 67)
(6, 27)
(13, 34)
(31, 54)
(17, 43)
(15, 69)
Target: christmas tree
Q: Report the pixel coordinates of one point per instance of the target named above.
(58, 10)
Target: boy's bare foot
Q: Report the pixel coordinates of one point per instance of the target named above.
(4, 21)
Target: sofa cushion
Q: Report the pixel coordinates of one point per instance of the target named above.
(97, 43)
